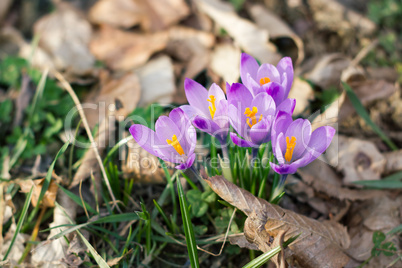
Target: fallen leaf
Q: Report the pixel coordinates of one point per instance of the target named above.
(51, 253)
(356, 159)
(125, 50)
(141, 166)
(301, 91)
(332, 15)
(116, 261)
(225, 62)
(278, 29)
(379, 214)
(246, 34)
(49, 197)
(157, 81)
(327, 70)
(318, 243)
(117, 13)
(64, 36)
(4, 7)
(393, 161)
(323, 179)
(241, 241)
(18, 247)
(152, 15)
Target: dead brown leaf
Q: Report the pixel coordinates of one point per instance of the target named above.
(116, 261)
(246, 34)
(64, 36)
(4, 6)
(318, 243)
(394, 161)
(142, 166)
(356, 159)
(277, 29)
(152, 15)
(332, 15)
(49, 197)
(301, 91)
(379, 214)
(225, 62)
(323, 179)
(126, 50)
(157, 81)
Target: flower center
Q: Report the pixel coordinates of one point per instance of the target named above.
(264, 80)
(250, 113)
(290, 146)
(212, 108)
(176, 145)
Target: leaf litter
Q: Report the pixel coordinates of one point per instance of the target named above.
(129, 54)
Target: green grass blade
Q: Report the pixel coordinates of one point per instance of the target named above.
(188, 228)
(394, 177)
(364, 114)
(46, 182)
(77, 200)
(397, 229)
(380, 184)
(99, 260)
(20, 221)
(108, 219)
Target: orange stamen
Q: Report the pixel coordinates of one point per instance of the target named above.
(264, 80)
(290, 146)
(176, 145)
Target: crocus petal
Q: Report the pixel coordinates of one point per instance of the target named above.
(217, 92)
(270, 71)
(276, 91)
(279, 148)
(182, 122)
(287, 106)
(221, 115)
(260, 132)
(240, 142)
(146, 138)
(264, 103)
(320, 140)
(238, 120)
(280, 124)
(207, 125)
(301, 130)
(190, 111)
(284, 169)
(238, 93)
(196, 95)
(252, 85)
(285, 66)
(165, 128)
(248, 65)
(187, 164)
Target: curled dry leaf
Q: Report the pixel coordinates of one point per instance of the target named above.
(356, 159)
(152, 15)
(327, 70)
(303, 93)
(225, 60)
(394, 161)
(332, 15)
(142, 166)
(156, 79)
(125, 50)
(50, 253)
(4, 6)
(64, 36)
(318, 243)
(18, 247)
(49, 197)
(246, 34)
(380, 214)
(278, 29)
(323, 179)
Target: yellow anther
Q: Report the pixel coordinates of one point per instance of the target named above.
(264, 80)
(212, 109)
(250, 113)
(290, 146)
(176, 144)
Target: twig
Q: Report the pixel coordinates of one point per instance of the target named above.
(77, 102)
(363, 53)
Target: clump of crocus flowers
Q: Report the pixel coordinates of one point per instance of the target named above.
(259, 111)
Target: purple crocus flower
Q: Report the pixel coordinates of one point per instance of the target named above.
(294, 145)
(173, 140)
(208, 109)
(251, 116)
(276, 81)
